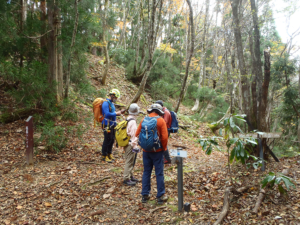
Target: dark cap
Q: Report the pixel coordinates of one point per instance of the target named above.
(160, 102)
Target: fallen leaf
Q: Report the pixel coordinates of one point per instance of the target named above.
(111, 190)
(48, 204)
(106, 196)
(19, 207)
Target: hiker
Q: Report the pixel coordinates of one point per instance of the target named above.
(153, 138)
(168, 119)
(132, 148)
(109, 123)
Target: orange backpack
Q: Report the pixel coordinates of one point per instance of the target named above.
(97, 109)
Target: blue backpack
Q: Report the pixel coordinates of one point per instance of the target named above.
(148, 138)
(174, 123)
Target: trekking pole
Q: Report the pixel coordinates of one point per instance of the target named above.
(134, 160)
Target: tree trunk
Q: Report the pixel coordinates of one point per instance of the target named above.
(51, 43)
(202, 57)
(60, 79)
(264, 125)
(152, 36)
(257, 59)
(43, 39)
(71, 50)
(189, 57)
(103, 80)
(253, 118)
(242, 67)
(137, 49)
(23, 4)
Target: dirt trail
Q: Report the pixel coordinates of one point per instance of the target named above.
(75, 187)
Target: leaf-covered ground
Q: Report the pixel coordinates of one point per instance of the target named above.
(75, 187)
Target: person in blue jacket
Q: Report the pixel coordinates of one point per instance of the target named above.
(109, 123)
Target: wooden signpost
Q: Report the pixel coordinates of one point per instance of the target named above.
(29, 140)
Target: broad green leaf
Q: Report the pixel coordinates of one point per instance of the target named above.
(209, 150)
(281, 189)
(272, 182)
(213, 142)
(226, 121)
(287, 182)
(232, 124)
(250, 141)
(254, 157)
(264, 182)
(232, 154)
(277, 180)
(204, 145)
(220, 132)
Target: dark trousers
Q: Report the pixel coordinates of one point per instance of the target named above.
(166, 153)
(155, 159)
(109, 138)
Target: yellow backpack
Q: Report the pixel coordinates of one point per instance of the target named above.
(121, 133)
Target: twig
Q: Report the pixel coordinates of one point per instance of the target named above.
(151, 211)
(225, 206)
(98, 181)
(259, 201)
(39, 36)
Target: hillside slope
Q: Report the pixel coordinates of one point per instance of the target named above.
(75, 187)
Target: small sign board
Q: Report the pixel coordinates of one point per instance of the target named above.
(179, 153)
(263, 135)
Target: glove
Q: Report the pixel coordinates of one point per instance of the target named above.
(136, 150)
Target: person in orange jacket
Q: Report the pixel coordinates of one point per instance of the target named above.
(155, 158)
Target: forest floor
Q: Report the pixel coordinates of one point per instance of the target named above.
(75, 187)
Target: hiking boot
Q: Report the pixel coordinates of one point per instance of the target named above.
(134, 179)
(110, 156)
(145, 198)
(103, 158)
(107, 159)
(129, 182)
(162, 199)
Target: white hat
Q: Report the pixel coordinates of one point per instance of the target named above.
(134, 109)
(156, 106)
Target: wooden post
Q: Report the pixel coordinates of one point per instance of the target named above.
(29, 140)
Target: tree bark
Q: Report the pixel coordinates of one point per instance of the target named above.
(137, 49)
(51, 43)
(60, 80)
(189, 57)
(43, 39)
(253, 118)
(71, 50)
(264, 100)
(257, 58)
(242, 66)
(202, 57)
(104, 76)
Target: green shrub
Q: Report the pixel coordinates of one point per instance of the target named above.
(53, 136)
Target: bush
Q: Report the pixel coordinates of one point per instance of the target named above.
(53, 136)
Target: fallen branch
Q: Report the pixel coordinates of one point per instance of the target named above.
(101, 211)
(259, 201)
(82, 162)
(225, 208)
(153, 210)
(98, 181)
